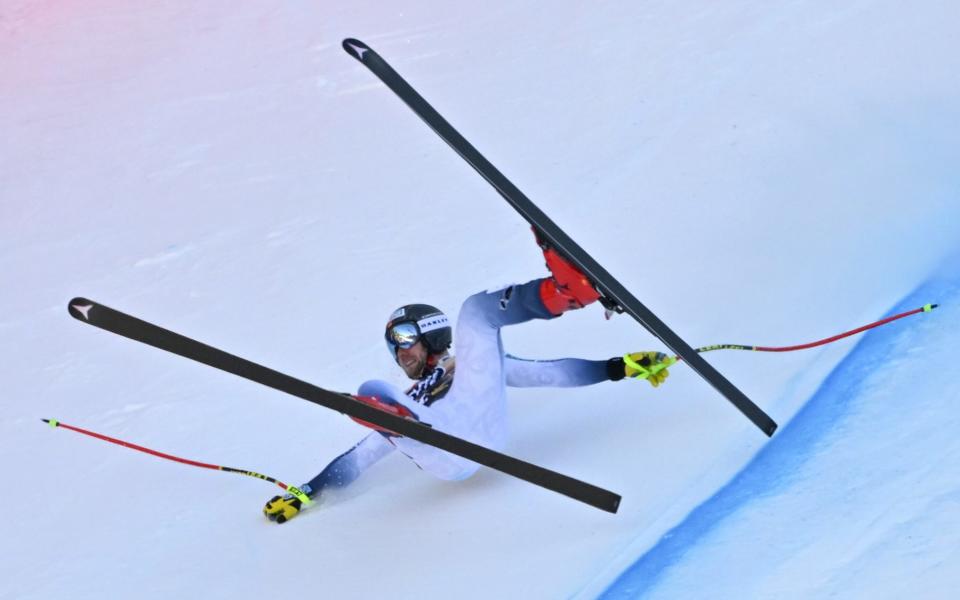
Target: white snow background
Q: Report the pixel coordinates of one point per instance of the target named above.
(756, 172)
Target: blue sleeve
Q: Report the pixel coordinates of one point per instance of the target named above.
(344, 469)
(563, 372)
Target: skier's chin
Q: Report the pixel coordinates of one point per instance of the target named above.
(412, 368)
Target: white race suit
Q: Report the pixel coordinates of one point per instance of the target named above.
(475, 407)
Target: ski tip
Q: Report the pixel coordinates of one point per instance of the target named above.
(355, 48)
(79, 308)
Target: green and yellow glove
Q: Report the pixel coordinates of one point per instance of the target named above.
(651, 366)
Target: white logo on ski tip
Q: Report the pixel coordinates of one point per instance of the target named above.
(360, 51)
(83, 310)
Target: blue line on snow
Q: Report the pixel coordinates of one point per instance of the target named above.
(772, 468)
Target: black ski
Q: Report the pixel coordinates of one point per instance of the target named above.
(615, 295)
(117, 322)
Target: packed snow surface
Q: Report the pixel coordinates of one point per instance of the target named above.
(856, 498)
(755, 172)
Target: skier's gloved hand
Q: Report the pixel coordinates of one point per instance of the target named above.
(387, 405)
(282, 509)
(651, 366)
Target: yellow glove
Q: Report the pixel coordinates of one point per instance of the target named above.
(282, 509)
(651, 366)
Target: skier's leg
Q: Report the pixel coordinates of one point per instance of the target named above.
(479, 387)
(376, 387)
(429, 458)
(475, 407)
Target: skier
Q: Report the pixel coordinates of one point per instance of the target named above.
(471, 405)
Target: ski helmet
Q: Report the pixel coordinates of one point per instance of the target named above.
(415, 322)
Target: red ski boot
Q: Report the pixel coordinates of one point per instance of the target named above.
(568, 289)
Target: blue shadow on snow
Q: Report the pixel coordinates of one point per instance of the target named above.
(772, 468)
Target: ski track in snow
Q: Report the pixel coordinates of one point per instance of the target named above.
(172, 253)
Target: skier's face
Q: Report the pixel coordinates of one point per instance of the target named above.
(412, 360)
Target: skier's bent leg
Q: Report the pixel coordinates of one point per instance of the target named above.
(384, 391)
(477, 402)
(512, 305)
(475, 408)
(438, 463)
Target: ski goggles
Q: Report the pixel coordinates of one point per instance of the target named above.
(402, 336)
(406, 334)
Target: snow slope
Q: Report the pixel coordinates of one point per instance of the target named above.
(855, 498)
(756, 173)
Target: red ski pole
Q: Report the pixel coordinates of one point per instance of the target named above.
(923, 309)
(193, 463)
(675, 359)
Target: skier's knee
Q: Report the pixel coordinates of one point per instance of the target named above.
(473, 306)
(477, 309)
(375, 387)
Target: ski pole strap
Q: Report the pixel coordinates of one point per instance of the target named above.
(299, 495)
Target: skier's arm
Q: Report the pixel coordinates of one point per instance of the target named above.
(341, 472)
(574, 372)
(563, 372)
(344, 469)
